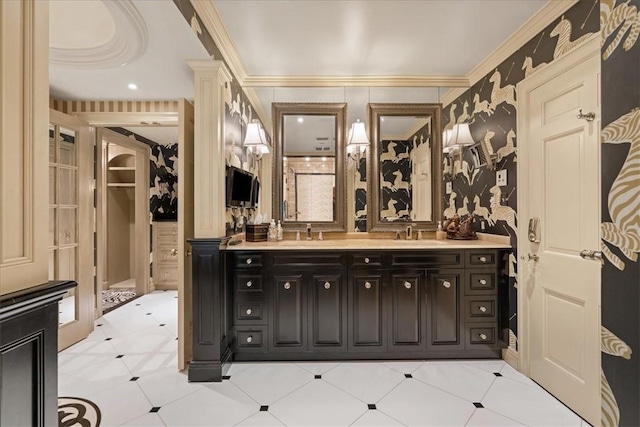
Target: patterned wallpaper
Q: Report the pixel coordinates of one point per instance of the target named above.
(620, 228)
(491, 107)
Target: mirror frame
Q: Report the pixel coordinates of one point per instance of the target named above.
(339, 110)
(375, 111)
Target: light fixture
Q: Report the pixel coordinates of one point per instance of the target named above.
(357, 141)
(300, 119)
(457, 139)
(132, 86)
(307, 159)
(255, 140)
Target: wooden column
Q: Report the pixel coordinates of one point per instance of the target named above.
(209, 154)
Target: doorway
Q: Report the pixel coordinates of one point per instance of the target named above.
(559, 296)
(123, 217)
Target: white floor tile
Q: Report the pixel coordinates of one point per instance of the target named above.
(485, 418)
(166, 385)
(417, 404)
(376, 418)
(260, 419)
(144, 363)
(317, 368)
(368, 382)
(487, 365)
(318, 404)
(528, 405)
(237, 367)
(121, 404)
(221, 404)
(269, 382)
(462, 380)
(147, 420)
(148, 341)
(508, 372)
(404, 367)
(93, 379)
(117, 327)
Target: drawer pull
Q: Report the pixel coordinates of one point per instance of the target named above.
(407, 285)
(287, 286)
(483, 259)
(483, 337)
(446, 284)
(249, 338)
(174, 252)
(366, 260)
(483, 308)
(249, 311)
(249, 260)
(327, 285)
(482, 282)
(249, 284)
(367, 285)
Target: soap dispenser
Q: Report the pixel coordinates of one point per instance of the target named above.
(279, 233)
(272, 234)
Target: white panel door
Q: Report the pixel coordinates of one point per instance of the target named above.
(421, 183)
(563, 192)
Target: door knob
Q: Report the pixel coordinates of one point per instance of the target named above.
(482, 282)
(366, 260)
(249, 339)
(327, 285)
(249, 311)
(407, 285)
(287, 285)
(249, 284)
(446, 284)
(483, 309)
(367, 285)
(592, 255)
(174, 252)
(483, 337)
(533, 257)
(249, 260)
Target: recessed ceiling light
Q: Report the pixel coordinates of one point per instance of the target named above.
(284, 159)
(300, 120)
(132, 86)
(382, 119)
(324, 159)
(306, 159)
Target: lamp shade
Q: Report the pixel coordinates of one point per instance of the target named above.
(255, 138)
(461, 135)
(357, 140)
(447, 145)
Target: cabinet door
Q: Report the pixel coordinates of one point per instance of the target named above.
(367, 319)
(328, 306)
(444, 310)
(407, 316)
(289, 323)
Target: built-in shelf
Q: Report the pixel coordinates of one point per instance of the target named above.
(121, 184)
(122, 168)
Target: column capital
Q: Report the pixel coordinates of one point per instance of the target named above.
(212, 66)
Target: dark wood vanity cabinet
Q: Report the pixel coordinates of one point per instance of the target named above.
(364, 305)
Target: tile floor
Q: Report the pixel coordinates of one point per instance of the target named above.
(127, 367)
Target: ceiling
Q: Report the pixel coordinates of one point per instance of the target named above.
(353, 51)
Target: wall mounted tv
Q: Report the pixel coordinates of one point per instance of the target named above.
(239, 187)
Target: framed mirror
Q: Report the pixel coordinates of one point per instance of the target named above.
(405, 176)
(309, 165)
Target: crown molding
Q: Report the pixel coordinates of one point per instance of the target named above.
(534, 25)
(356, 81)
(259, 109)
(212, 21)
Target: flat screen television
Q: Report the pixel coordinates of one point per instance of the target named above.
(239, 187)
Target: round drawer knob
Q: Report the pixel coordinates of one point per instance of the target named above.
(366, 260)
(483, 337)
(483, 309)
(249, 260)
(446, 284)
(287, 285)
(483, 259)
(249, 338)
(249, 311)
(249, 284)
(327, 285)
(407, 285)
(367, 285)
(482, 282)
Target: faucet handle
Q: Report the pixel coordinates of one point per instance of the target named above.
(397, 235)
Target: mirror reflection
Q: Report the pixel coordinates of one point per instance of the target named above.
(405, 175)
(309, 173)
(309, 168)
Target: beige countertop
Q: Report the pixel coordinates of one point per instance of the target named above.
(373, 244)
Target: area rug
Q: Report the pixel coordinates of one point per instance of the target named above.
(114, 298)
(77, 412)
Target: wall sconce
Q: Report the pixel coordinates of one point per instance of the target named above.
(454, 140)
(357, 142)
(255, 140)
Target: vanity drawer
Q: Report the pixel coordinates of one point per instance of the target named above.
(249, 283)
(481, 282)
(426, 259)
(481, 309)
(248, 259)
(481, 335)
(250, 338)
(481, 258)
(366, 260)
(318, 259)
(250, 312)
